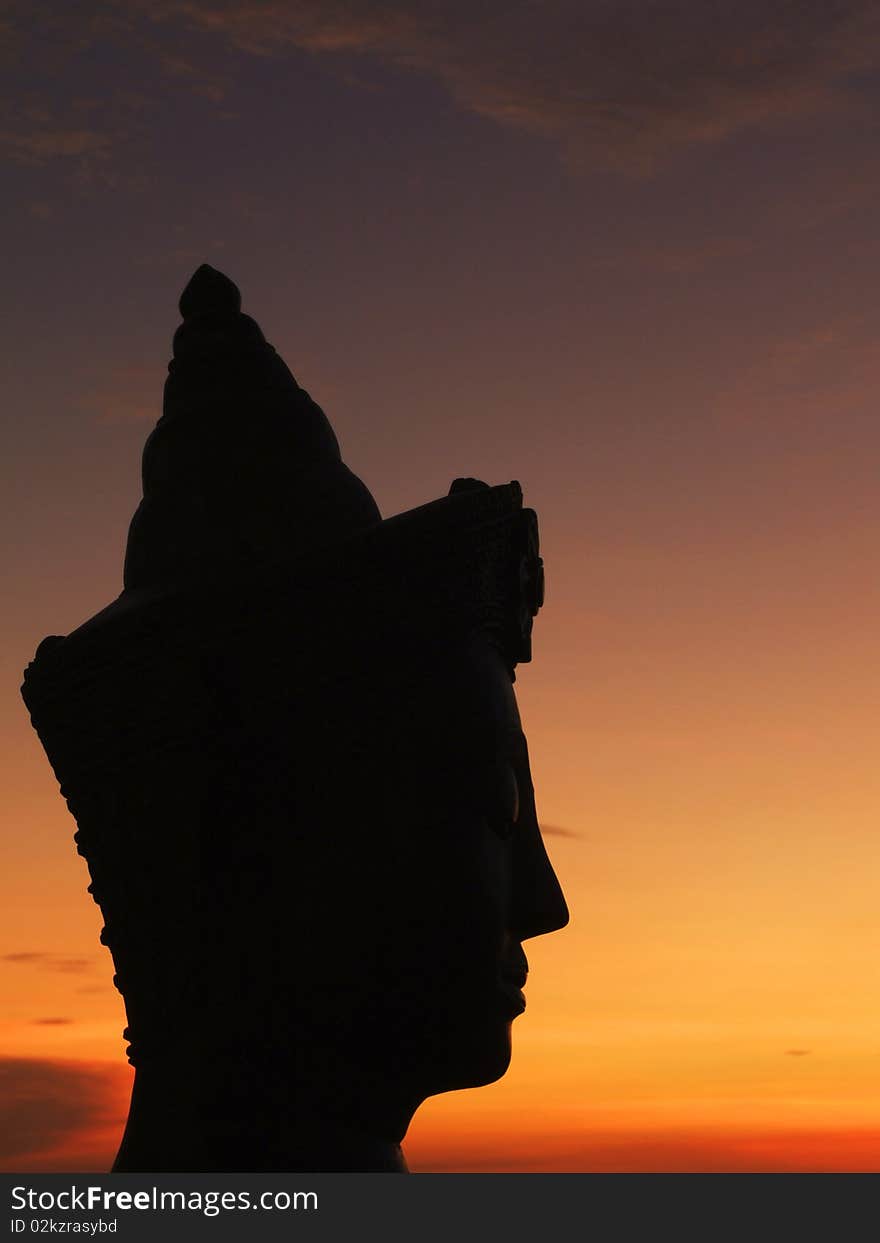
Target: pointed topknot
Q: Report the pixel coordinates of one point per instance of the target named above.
(209, 291)
(243, 469)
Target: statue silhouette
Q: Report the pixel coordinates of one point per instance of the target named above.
(293, 752)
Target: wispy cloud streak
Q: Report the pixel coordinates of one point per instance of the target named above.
(621, 84)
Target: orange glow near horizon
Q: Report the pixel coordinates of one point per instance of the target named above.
(724, 1019)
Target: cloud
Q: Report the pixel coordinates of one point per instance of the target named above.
(39, 129)
(49, 1107)
(824, 374)
(622, 82)
(616, 82)
(50, 962)
(52, 1022)
(65, 104)
(797, 1052)
(38, 144)
(191, 76)
(71, 966)
(677, 259)
(552, 830)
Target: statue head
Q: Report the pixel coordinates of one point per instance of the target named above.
(301, 783)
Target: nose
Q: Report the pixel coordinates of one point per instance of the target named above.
(537, 901)
(538, 904)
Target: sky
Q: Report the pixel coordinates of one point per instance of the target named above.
(625, 252)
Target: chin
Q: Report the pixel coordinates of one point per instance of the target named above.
(482, 1057)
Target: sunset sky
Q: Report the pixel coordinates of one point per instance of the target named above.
(627, 253)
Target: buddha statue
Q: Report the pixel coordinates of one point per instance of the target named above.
(300, 780)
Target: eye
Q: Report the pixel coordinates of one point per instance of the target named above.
(503, 809)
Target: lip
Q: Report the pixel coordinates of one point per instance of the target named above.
(511, 981)
(513, 999)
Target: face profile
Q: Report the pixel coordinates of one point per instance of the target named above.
(490, 880)
(301, 782)
(440, 875)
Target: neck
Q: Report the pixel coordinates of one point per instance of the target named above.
(212, 1121)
